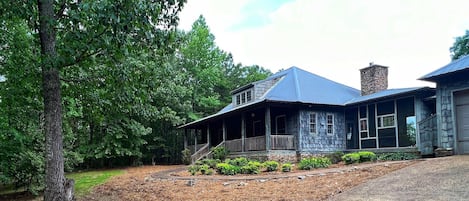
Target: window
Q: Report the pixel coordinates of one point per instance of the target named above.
(330, 124)
(312, 123)
(243, 97)
(364, 128)
(248, 96)
(385, 121)
(281, 124)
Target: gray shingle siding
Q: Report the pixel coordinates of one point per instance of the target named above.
(444, 96)
(321, 142)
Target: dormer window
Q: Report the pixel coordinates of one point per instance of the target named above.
(243, 97)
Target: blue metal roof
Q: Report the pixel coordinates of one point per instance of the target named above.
(383, 94)
(299, 85)
(460, 64)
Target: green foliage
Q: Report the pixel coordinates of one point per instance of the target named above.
(367, 156)
(228, 169)
(351, 158)
(220, 153)
(204, 169)
(314, 162)
(240, 161)
(287, 167)
(271, 166)
(212, 163)
(85, 181)
(193, 169)
(335, 157)
(253, 167)
(186, 156)
(396, 156)
(460, 46)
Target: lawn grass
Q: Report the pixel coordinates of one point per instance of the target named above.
(85, 181)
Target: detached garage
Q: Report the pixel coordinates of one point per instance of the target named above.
(452, 105)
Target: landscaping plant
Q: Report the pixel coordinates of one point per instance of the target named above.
(351, 158)
(314, 162)
(287, 167)
(271, 166)
(367, 156)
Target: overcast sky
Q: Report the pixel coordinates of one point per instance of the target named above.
(336, 38)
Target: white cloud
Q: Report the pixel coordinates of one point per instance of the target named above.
(335, 39)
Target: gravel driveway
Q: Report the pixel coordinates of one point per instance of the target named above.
(434, 179)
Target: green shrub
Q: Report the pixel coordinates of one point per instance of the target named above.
(209, 172)
(367, 156)
(227, 169)
(186, 156)
(271, 166)
(204, 169)
(351, 158)
(212, 163)
(193, 169)
(396, 156)
(253, 167)
(220, 153)
(314, 162)
(335, 157)
(287, 167)
(240, 161)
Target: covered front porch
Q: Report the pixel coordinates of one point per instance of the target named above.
(256, 130)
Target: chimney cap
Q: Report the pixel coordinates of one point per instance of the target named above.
(372, 64)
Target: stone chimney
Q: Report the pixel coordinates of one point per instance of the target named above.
(374, 78)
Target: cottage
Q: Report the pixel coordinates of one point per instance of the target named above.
(295, 113)
(452, 106)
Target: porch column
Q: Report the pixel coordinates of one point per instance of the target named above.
(195, 140)
(267, 128)
(243, 132)
(224, 131)
(185, 138)
(208, 135)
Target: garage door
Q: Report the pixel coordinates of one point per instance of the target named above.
(462, 120)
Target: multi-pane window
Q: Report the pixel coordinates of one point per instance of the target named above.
(248, 96)
(364, 128)
(243, 97)
(330, 124)
(385, 121)
(312, 123)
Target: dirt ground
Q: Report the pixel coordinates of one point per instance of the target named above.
(145, 183)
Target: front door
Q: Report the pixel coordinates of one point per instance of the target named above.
(462, 121)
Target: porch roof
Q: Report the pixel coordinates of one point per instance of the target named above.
(455, 66)
(387, 94)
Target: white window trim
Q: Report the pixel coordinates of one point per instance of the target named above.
(327, 124)
(243, 96)
(276, 123)
(315, 123)
(380, 121)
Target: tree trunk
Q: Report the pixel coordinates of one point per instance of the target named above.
(55, 178)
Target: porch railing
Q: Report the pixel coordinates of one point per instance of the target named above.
(282, 142)
(199, 146)
(234, 145)
(255, 143)
(200, 153)
(277, 142)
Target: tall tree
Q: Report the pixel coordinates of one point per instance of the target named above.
(70, 32)
(460, 46)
